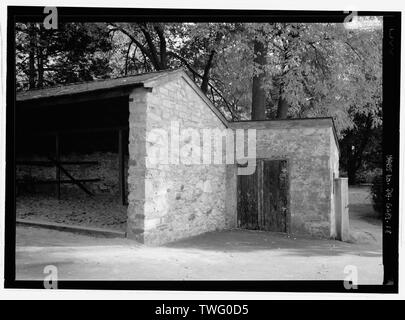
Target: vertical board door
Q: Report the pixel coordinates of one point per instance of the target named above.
(247, 201)
(263, 197)
(275, 196)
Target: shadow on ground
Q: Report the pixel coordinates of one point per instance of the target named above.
(365, 212)
(366, 231)
(248, 241)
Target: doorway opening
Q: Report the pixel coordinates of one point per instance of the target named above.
(72, 164)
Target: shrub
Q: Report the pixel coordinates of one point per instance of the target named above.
(367, 176)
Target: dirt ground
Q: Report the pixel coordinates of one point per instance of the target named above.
(365, 225)
(100, 211)
(226, 255)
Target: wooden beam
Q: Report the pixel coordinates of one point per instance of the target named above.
(50, 164)
(56, 181)
(77, 130)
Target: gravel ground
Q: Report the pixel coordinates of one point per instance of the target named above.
(101, 211)
(226, 255)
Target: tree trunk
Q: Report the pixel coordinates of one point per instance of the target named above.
(153, 53)
(258, 93)
(204, 84)
(40, 62)
(282, 108)
(162, 46)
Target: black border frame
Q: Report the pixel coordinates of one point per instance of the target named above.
(391, 110)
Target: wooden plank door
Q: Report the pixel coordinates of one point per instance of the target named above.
(247, 201)
(263, 197)
(275, 196)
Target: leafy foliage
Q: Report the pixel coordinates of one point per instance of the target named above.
(74, 52)
(316, 69)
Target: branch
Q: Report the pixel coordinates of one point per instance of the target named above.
(126, 57)
(133, 39)
(151, 45)
(277, 47)
(317, 61)
(185, 62)
(204, 85)
(354, 50)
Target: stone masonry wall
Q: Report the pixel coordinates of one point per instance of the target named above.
(308, 151)
(171, 201)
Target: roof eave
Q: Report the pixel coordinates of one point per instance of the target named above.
(68, 98)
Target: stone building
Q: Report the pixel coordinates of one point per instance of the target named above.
(177, 180)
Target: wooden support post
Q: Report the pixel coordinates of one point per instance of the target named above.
(76, 182)
(57, 158)
(121, 167)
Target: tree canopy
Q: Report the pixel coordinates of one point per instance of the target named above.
(291, 69)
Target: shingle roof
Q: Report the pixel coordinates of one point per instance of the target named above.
(82, 87)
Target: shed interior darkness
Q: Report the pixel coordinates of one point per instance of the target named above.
(87, 136)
